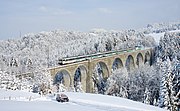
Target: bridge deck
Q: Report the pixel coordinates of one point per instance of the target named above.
(103, 57)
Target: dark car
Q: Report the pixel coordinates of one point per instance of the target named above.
(62, 98)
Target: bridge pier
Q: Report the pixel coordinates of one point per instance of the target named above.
(90, 83)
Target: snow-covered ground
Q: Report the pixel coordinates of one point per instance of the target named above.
(157, 36)
(26, 101)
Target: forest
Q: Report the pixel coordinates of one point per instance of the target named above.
(24, 62)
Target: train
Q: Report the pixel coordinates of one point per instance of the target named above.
(75, 59)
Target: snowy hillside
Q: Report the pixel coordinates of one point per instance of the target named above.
(78, 102)
(157, 36)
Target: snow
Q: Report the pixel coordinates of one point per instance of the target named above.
(17, 95)
(157, 36)
(78, 102)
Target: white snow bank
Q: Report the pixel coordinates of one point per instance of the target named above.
(17, 95)
(78, 102)
(109, 102)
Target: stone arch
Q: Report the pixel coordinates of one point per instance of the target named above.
(130, 63)
(80, 75)
(147, 59)
(100, 76)
(105, 70)
(63, 76)
(139, 60)
(117, 64)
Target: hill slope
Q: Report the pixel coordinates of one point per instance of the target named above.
(78, 102)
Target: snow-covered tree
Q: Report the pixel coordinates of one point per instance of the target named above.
(98, 79)
(160, 27)
(140, 85)
(116, 84)
(168, 53)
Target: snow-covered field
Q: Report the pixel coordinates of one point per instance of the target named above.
(26, 101)
(157, 36)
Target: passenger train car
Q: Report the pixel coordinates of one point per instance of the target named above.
(75, 59)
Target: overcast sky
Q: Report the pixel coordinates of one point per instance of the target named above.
(28, 16)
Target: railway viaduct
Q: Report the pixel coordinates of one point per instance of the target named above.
(129, 60)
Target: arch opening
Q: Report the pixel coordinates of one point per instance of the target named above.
(147, 58)
(117, 64)
(130, 63)
(80, 79)
(139, 60)
(62, 80)
(100, 75)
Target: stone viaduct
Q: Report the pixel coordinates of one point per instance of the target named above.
(130, 60)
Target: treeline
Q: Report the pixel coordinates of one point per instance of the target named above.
(158, 84)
